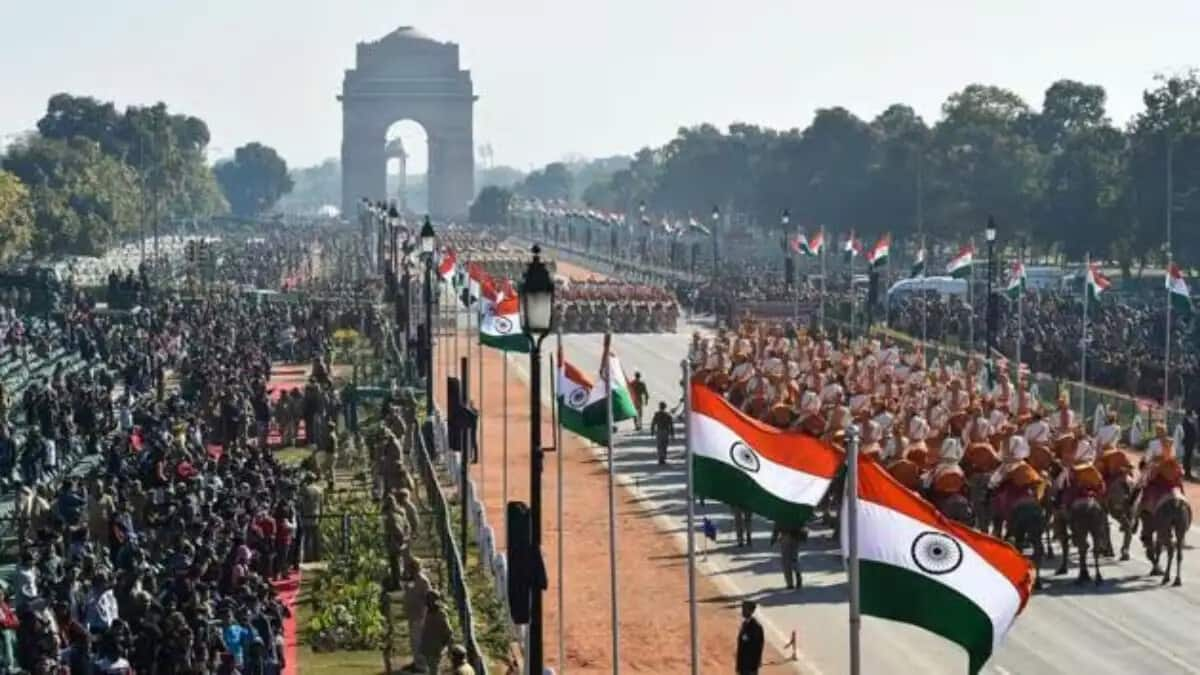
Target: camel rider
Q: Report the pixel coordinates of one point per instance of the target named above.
(871, 437)
(1163, 472)
(978, 429)
(918, 431)
(1063, 421)
(947, 478)
(1109, 434)
(1037, 436)
(896, 443)
(1015, 481)
(1083, 479)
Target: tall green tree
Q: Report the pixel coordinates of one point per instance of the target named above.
(82, 199)
(554, 181)
(16, 217)
(254, 180)
(985, 164)
(491, 206)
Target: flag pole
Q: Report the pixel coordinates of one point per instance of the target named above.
(612, 505)
(479, 433)
(853, 292)
(1020, 308)
(971, 302)
(851, 526)
(823, 247)
(924, 308)
(693, 622)
(1167, 352)
(558, 462)
(504, 450)
(1087, 291)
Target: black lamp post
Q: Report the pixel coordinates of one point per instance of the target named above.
(537, 313)
(428, 239)
(716, 221)
(990, 233)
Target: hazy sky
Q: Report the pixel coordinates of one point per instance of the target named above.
(565, 76)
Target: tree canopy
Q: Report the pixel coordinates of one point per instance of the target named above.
(254, 180)
(1063, 178)
(491, 206)
(16, 216)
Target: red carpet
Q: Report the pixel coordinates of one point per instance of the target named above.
(289, 591)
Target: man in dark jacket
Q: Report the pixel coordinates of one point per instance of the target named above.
(750, 641)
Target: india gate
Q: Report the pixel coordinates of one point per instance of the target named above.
(407, 75)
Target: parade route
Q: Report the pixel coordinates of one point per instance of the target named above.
(1129, 624)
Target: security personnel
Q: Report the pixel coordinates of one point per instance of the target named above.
(750, 641)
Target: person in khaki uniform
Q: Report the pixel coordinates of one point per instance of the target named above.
(395, 533)
(435, 633)
(458, 660)
(311, 501)
(789, 539)
(414, 603)
(404, 502)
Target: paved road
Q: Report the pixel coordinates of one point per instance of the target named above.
(1127, 625)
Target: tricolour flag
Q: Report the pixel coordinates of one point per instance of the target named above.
(622, 402)
(918, 266)
(852, 247)
(1097, 283)
(446, 266)
(959, 266)
(500, 327)
(918, 567)
(1181, 297)
(742, 462)
(877, 256)
(813, 245)
(798, 244)
(1016, 281)
(574, 390)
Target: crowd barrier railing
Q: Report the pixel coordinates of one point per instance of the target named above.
(453, 556)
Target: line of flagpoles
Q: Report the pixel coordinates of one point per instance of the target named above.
(479, 288)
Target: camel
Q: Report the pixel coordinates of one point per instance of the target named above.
(1086, 518)
(1026, 525)
(1118, 501)
(1168, 527)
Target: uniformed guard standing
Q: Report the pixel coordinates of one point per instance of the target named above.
(789, 539)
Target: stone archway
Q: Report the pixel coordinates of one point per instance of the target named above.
(408, 75)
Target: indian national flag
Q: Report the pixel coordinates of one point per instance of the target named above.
(622, 402)
(744, 463)
(918, 567)
(574, 391)
(1177, 290)
(798, 244)
(852, 247)
(446, 266)
(500, 327)
(813, 246)
(960, 265)
(918, 266)
(1016, 281)
(877, 256)
(1097, 283)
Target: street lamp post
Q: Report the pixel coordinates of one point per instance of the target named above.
(645, 230)
(537, 313)
(990, 233)
(428, 239)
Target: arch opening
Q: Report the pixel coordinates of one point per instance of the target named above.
(406, 151)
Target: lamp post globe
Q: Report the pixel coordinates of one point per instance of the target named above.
(537, 298)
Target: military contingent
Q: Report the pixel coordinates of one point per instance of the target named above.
(594, 306)
(987, 450)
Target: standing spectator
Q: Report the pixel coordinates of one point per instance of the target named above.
(1191, 435)
(8, 633)
(750, 641)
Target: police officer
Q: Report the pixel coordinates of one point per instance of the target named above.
(789, 538)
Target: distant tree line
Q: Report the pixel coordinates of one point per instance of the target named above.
(91, 175)
(1064, 179)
